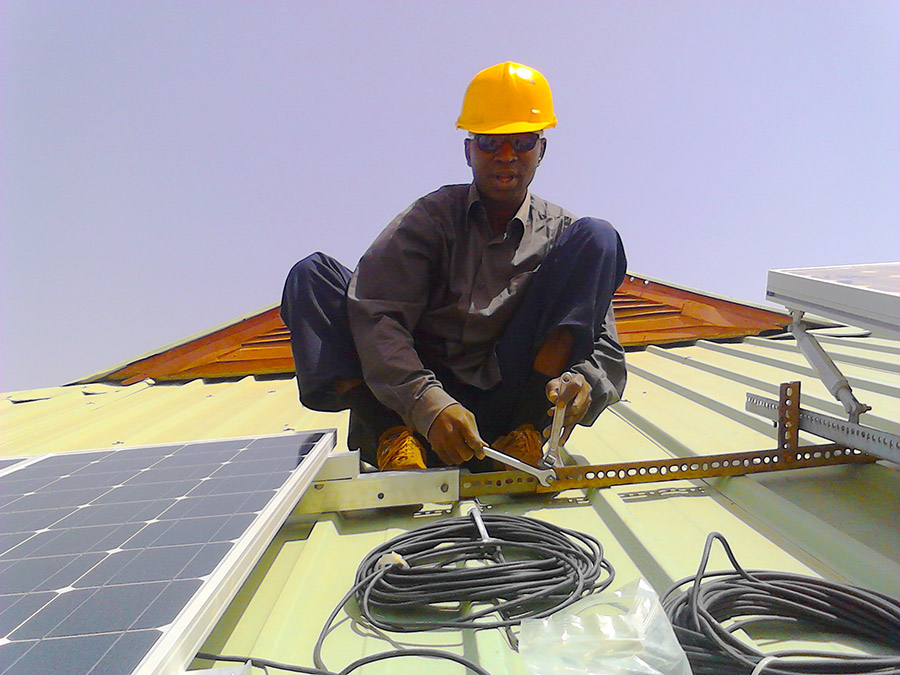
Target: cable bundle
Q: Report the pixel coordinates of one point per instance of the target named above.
(457, 577)
(755, 596)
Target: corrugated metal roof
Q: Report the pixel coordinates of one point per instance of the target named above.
(99, 416)
(840, 522)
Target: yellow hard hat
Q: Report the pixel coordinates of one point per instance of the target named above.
(508, 98)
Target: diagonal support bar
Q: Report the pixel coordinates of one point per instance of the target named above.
(828, 372)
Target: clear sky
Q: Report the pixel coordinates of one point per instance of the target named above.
(163, 164)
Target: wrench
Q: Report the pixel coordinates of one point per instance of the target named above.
(551, 456)
(544, 476)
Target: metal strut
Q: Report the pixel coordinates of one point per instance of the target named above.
(660, 470)
(792, 419)
(341, 487)
(828, 372)
(788, 455)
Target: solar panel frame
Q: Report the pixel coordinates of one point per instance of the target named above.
(7, 462)
(866, 296)
(179, 645)
(13, 464)
(174, 649)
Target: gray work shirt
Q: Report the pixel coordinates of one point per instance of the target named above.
(438, 286)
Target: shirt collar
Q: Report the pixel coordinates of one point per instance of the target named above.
(521, 215)
(523, 212)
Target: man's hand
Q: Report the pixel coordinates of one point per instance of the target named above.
(572, 389)
(454, 436)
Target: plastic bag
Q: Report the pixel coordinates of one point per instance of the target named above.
(625, 633)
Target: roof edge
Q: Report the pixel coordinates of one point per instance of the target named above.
(199, 355)
(102, 374)
(715, 296)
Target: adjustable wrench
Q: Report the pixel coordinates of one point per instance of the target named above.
(545, 476)
(551, 454)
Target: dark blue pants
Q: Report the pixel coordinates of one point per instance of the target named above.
(573, 288)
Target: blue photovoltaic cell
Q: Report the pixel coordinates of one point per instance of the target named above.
(100, 551)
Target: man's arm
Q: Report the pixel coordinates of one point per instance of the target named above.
(604, 370)
(387, 295)
(595, 383)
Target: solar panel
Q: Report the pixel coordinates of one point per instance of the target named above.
(867, 296)
(119, 561)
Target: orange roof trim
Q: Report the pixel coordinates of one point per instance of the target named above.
(647, 313)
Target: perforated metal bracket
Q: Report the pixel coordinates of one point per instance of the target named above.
(660, 470)
(347, 489)
(789, 417)
(848, 434)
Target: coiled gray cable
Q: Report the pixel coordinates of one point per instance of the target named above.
(744, 597)
(458, 573)
(530, 569)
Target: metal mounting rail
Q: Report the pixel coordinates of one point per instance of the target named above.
(849, 434)
(788, 455)
(660, 470)
(341, 487)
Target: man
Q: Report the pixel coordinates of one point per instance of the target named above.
(476, 309)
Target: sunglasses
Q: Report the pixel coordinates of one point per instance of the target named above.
(491, 143)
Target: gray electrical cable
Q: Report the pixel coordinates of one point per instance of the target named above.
(745, 597)
(456, 578)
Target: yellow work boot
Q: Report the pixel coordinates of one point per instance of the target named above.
(523, 443)
(399, 450)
